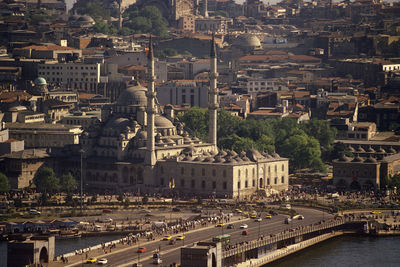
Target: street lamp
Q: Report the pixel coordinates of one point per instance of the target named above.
(81, 151)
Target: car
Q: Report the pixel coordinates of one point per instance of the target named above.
(287, 220)
(180, 237)
(141, 250)
(231, 226)
(106, 220)
(244, 226)
(102, 261)
(220, 225)
(253, 216)
(375, 212)
(245, 232)
(238, 211)
(107, 211)
(246, 213)
(34, 212)
(110, 228)
(167, 237)
(176, 209)
(268, 216)
(91, 260)
(157, 261)
(144, 211)
(258, 220)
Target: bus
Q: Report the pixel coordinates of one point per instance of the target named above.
(224, 239)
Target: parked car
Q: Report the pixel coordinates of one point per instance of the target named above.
(231, 226)
(34, 213)
(258, 220)
(244, 226)
(245, 232)
(167, 237)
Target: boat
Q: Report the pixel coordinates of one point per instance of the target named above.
(69, 235)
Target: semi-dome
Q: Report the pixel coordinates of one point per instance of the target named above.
(358, 159)
(86, 18)
(118, 123)
(40, 81)
(253, 154)
(133, 95)
(162, 122)
(370, 160)
(247, 41)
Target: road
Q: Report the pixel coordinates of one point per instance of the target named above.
(171, 253)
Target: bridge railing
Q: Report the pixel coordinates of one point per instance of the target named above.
(283, 236)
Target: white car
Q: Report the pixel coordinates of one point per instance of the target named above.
(102, 261)
(34, 212)
(258, 220)
(244, 226)
(106, 220)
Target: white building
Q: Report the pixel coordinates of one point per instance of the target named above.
(256, 85)
(71, 75)
(182, 92)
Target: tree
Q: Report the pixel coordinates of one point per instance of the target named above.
(146, 20)
(339, 150)
(196, 119)
(236, 143)
(68, 183)
(323, 132)
(46, 181)
(4, 185)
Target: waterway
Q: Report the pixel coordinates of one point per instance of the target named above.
(347, 251)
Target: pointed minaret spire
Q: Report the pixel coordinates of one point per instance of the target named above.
(151, 109)
(213, 95)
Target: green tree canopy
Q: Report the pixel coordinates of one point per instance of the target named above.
(196, 119)
(4, 185)
(46, 180)
(146, 20)
(68, 183)
(322, 131)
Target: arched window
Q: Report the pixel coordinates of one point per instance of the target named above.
(254, 172)
(203, 184)
(247, 173)
(246, 184)
(238, 185)
(283, 167)
(276, 180)
(283, 180)
(214, 172)
(203, 172)
(254, 183)
(239, 173)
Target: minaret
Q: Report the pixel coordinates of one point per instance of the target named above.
(151, 109)
(119, 14)
(205, 8)
(212, 95)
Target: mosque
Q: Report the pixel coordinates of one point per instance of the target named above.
(143, 148)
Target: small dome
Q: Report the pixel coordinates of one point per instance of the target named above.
(187, 158)
(219, 159)
(86, 18)
(245, 159)
(208, 159)
(169, 141)
(275, 155)
(344, 158)
(142, 135)
(370, 160)
(392, 150)
(133, 95)
(230, 160)
(351, 149)
(162, 122)
(357, 159)
(222, 153)
(253, 154)
(247, 41)
(381, 150)
(40, 81)
(238, 159)
(199, 158)
(360, 149)
(370, 149)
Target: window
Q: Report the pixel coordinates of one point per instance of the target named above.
(214, 184)
(254, 172)
(254, 183)
(283, 180)
(269, 169)
(203, 184)
(193, 183)
(203, 172)
(214, 172)
(238, 185)
(246, 184)
(247, 173)
(182, 183)
(239, 173)
(276, 180)
(283, 167)
(276, 168)
(224, 185)
(268, 182)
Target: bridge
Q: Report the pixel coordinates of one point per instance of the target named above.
(269, 248)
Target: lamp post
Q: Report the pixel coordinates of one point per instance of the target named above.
(81, 152)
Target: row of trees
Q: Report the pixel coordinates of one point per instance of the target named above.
(47, 182)
(306, 145)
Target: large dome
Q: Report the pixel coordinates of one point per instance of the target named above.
(248, 41)
(118, 123)
(133, 95)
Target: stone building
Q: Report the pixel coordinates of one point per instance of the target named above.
(138, 148)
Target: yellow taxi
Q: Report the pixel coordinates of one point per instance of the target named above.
(238, 211)
(91, 260)
(375, 212)
(180, 237)
(167, 237)
(253, 215)
(246, 213)
(220, 225)
(268, 216)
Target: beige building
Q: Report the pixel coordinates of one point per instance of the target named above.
(44, 135)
